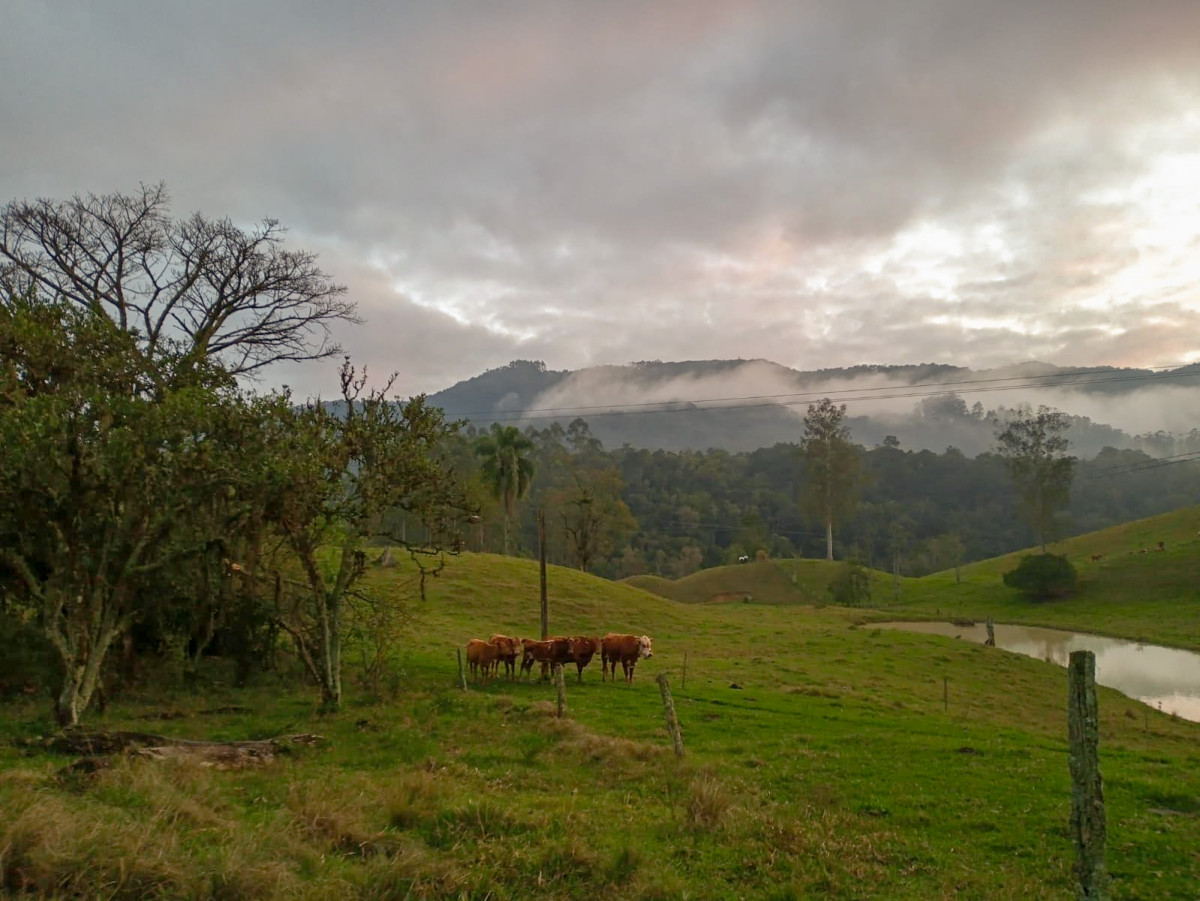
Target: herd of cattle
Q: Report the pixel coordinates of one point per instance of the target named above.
(484, 657)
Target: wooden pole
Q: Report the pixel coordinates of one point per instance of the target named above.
(669, 712)
(541, 522)
(1087, 787)
(991, 633)
(560, 686)
(462, 679)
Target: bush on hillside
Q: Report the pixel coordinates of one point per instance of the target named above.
(1042, 576)
(851, 587)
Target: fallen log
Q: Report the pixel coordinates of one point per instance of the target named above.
(224, 755)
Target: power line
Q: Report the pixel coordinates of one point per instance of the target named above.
(848, 395)
(1143, 465)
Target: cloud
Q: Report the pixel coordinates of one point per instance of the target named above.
(817, 184)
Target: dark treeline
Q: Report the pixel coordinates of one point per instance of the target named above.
(152, 511)
(672, 512)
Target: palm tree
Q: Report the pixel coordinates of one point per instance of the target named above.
(506, 468)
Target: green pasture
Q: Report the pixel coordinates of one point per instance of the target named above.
(825, 758)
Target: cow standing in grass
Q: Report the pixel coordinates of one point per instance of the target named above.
(508, 649)
(583, 649)
(481, 656)
(552, 650)
(628, 649)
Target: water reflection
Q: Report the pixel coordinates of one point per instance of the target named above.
(1165, 678)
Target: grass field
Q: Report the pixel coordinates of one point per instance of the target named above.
(824, 758)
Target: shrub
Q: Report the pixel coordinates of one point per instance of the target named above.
(1042, 576)
(851, 587)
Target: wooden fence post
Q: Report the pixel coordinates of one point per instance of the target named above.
(462, 679)
(1087, 788)
(669, 711)
(541, 525)
(561, 688)
(991, 634)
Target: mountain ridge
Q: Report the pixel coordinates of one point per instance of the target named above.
(741, 404)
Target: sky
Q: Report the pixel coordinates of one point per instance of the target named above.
(585, 183)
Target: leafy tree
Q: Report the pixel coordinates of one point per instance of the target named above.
(595, 519)
(1042, 575)
(1034, 450)
(333, 480)
(851, 586)
(197, 288)
(506, 468)
(103, 466)
(831, 466)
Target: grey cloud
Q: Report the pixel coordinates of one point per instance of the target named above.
(590, 183)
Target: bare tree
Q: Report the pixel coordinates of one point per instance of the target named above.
(198, 285)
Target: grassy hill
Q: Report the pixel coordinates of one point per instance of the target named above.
(1127, 586)
(773, 582)
(825, 758)
(761, 582)
(1132, 591)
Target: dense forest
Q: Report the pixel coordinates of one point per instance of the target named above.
(673, 512)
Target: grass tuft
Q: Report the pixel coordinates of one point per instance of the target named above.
(709, 802)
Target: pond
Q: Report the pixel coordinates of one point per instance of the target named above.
(1165, 678)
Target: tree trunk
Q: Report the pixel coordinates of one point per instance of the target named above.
(331, 639)
(82, 647)
(331, 661)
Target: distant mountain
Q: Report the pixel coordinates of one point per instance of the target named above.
(740, 405)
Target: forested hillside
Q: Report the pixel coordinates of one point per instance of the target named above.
(671, 513)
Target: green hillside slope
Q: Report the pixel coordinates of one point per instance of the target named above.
(1127, 586)
(759, 582)
(824, 759)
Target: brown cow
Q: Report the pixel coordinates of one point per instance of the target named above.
(628, 649)
(583, 649)
(508, 649)
(552, 650)
(481, 655)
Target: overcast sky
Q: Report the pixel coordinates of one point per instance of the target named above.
(817, 184)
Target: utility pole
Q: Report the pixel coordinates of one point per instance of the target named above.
(542, 560)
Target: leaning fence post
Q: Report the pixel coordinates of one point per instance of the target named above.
(462, 679)
(1087, 788)
(669, 712)
(561, 687)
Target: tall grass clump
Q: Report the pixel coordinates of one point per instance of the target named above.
(708, 802)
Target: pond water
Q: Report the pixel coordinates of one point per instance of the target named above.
(1165, 678)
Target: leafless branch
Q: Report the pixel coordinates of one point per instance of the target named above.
(200, 284)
